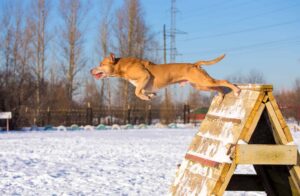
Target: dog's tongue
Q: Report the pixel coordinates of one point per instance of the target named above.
(183, 82)
(98, 75)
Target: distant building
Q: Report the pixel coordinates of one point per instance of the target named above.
(197, 115)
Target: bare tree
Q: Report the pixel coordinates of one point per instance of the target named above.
(73, 13)
(254, 77)
(296, 100)
(167, 109)
(105, 43)
(38, 21)
(196, 99)
(18, 82)
(92, 94)
(289, 101)
(133, 38)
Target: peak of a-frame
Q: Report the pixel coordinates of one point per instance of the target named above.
(256, 87)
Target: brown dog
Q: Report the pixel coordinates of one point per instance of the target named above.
(148, 77)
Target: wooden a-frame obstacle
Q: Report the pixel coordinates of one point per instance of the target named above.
(248, 129)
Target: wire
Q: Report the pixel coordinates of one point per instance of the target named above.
(242, 31)
(204, 10)
(265, 13)
(294, 40)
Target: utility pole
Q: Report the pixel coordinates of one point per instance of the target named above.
(165, 45)
(166, 89)
(173, 31)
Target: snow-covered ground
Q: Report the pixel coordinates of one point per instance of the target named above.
(111, 162)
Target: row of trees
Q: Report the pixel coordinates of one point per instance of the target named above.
(289, 101)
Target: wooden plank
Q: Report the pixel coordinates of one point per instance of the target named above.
(220, 130)
(253, 112)
(247, 133)
(256, 87)
(223, 118)
(293, 187)
(288, 134)
(277, 110)
(225, 178)
(258, 154)
(201, 160)
(295, 173)
(276, 125)
(280, 117)
(266, 99)
(245, 182)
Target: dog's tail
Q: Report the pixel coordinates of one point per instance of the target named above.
(211, 62)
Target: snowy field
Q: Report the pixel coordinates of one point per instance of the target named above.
(111, 162)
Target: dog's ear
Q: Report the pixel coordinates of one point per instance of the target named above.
(112, 57)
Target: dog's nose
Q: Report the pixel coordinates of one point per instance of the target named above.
(91, 71)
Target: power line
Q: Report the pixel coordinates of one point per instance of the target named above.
(265, 13)
(204, 10)
(243, 31)
(294, 40)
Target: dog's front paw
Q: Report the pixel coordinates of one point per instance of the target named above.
(145, 97)
(237, 92)
(151, 95)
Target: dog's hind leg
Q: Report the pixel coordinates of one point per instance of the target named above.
(220, 91)
(201, 78)
(225, 83)
(206, 88)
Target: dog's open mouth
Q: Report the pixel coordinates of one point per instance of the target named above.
(99, 75)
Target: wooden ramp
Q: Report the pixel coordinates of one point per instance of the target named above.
(248, 129)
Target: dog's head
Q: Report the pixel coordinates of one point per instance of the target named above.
(105, 68)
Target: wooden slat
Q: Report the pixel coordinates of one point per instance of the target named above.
(252, 115)
(223, 118)
(275, 123)
(266, 99)
(295, 173)
(266, 154)
(280, 117)
(293, 186)
(256, 87)
(225, 178)
(201, 160)
(247, 133)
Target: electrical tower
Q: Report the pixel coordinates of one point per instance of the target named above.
(173, 51)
